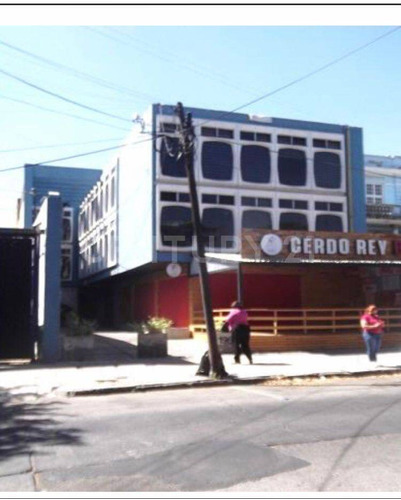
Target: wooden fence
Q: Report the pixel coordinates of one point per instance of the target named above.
(286, 329)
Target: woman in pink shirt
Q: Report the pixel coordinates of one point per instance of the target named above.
(237, 321)
(372, 329)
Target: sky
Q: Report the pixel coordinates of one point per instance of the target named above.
(118, 62)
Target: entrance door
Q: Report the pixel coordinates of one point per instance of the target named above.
(17, 294)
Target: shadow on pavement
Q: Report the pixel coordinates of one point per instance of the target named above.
(26, 425)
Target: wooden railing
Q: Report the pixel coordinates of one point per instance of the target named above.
(303, 321)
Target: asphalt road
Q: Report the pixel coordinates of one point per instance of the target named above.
(327, 436)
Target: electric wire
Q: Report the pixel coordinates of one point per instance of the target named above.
(63, 98)
(79, 74)
(54, 160)
(49, 146)
(63, 113)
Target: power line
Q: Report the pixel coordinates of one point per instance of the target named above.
(77, 73)
(308, 75)
(48, 146)
(58, 96)
(20, 101)
(76, 156)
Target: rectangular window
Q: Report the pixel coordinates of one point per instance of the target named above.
(184, 197)
(301, 205)
(322, 143)
(223, 132)
(226, 200)
(334, 144)
(209, 132)
(285, 203)
(264, 202)
(263, 137)
(247, 136)
(168, 127)
(336, 207)
(209, 198)
(284, 139)
(321, 205)
(299, 141)
(168, 196)
(319, 143)
(248, 201)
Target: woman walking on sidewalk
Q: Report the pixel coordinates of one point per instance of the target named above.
(372, 329)
(237, 321)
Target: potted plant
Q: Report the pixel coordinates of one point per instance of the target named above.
(152, 337)
(78, 338)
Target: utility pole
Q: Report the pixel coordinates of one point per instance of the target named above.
(187, 139)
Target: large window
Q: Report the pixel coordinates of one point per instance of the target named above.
(256, 219)
(255, 164)
(218, 227)
(292, 167)
(172, 164)
(217, 161)
(328, 222)
(176, 226)
(293, 221)
(327, 169)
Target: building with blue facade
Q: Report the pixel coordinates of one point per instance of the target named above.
(72, 184)
(252, 172)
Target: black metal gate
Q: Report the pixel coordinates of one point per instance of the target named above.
(18, 293)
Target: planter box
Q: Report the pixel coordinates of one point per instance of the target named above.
(152, 345)
(77, 348)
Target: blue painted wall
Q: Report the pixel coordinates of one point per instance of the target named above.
(356, 178)
(72, 183)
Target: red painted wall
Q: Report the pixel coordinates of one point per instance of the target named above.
(174, 300)
(144, 301)
(260, 290)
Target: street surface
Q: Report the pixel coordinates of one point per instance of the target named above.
(317, 436)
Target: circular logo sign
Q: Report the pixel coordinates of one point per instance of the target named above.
(271, 244)
(173, 270)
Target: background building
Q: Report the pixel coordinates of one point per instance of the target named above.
(383, 193)
(72, 184)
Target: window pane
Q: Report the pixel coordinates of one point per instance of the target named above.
(248, 201)
(218, 225)
(168, 196)
(209, 198)
(217, 161)
(327, 222)
(334, 144)
(319, 143)
(263, 137)
(301, 205)
(176, 226)
(247, 136)
(256, 219)
(299, 141)
(209, 132)
(226, 200)
(264, 202)
(284, 139)
(321, 205)
(184, 197)
(168, 158)
(327, 170)
(255, 164)
(285, 203)
(223, 132)
(295, 221)
(292, 167)
(336, 207)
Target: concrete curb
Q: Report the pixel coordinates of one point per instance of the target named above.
(208, 382)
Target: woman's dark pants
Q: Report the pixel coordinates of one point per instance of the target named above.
(241, 336)
(372, 342)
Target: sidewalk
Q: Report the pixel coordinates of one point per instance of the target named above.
(114, 367)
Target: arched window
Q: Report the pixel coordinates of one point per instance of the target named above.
(293, 221)
(256, 219)
(218, 226)
(176, 226)
(171, 163)
(329, 222)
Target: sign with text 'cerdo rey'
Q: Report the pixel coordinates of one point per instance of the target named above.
(320, 246)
